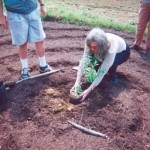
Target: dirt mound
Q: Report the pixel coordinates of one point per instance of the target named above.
(39, 109)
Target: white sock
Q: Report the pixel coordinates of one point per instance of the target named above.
(24, 63)
(42, 61)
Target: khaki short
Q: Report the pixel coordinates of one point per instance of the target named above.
(25, 28)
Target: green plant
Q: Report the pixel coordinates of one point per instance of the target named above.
(94, 61)
(90, 72)
(85, 63)
(88, 65)
(79, 89)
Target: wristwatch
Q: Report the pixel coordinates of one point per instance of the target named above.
(42, 4)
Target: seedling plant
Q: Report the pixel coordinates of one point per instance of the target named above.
(87, 67)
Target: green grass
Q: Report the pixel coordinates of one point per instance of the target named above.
(75, 14)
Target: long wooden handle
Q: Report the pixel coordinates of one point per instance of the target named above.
(40, 75)
(12, 84)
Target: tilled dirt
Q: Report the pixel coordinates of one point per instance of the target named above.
(39, 109)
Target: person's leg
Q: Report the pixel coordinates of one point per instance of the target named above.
(37, 35)
(148, 44)
(40, 48)
(148, 54)
(19, 32)
(119, 59)
(23, 52)
(142, 23)
(23, 55)
(148, 34)
(40, 51)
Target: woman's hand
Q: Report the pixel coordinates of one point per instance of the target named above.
(76, 89)
(4, 22)
(72, 89)
(85, 94)
(43, 10)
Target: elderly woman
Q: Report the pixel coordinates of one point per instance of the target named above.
(109, 49)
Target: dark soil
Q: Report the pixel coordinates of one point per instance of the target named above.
(38, 110)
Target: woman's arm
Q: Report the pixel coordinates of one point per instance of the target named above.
(103, 69)
(42, 8)
(82, 65)
(41, 2)
(3, 20)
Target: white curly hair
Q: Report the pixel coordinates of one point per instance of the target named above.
(99, 36)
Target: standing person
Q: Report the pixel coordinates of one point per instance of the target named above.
(109, 49)
(143, 23)
(24, 22)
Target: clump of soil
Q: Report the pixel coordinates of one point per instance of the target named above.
(74, 97)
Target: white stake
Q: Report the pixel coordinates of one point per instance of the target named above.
(88, 130)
